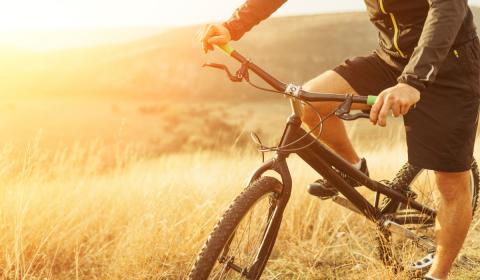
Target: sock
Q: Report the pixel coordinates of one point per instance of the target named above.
(358, 165)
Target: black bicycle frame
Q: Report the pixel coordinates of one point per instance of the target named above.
(323, 160)
(320, 157)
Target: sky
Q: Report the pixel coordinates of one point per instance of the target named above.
(32, 15)
(34, 24)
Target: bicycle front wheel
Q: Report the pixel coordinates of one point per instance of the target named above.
(234, 248)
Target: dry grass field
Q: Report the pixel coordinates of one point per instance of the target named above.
(65, 216)
(117, 160)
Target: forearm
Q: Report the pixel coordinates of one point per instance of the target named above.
(443, 22)
(250, 14)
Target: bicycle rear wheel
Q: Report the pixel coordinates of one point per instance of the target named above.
(233, 249)
(419, 184)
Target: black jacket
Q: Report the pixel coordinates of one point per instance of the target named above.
(416, 35)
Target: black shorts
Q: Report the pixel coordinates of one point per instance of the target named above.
(441, 129)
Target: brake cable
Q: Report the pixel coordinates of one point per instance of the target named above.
(319, 125)
(243, 74)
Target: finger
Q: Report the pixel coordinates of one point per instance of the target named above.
(382, 116)
(396, 110)
(209, 48)
(218, 40)
(404, 109)
(202, 38)
(376, 109)
(209, 32)
(205, 45)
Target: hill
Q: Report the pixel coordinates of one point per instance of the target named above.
(153, 92)
(168, 64)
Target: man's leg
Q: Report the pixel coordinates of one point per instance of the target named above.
(453, 220)
(333, 133)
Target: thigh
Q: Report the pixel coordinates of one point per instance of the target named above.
(363, 75)
(328, 82)
(368, 75)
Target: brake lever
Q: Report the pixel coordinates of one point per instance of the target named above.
(344, 108)
(350, 117)
(233, 78)
(241, 73)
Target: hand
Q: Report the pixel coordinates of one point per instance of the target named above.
(398, 99)
(215, 34)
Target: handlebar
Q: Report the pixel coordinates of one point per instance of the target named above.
(227, 49)
(302, 94)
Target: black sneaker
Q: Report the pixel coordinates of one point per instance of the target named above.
(324, 190)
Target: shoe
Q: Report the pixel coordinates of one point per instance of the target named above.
(423, 278)
(324, 190)
(423, 264)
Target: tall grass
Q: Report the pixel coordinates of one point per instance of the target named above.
(70, 215)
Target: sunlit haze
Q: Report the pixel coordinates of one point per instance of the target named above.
(21, 16)
(52, 14)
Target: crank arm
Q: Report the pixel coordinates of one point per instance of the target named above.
(402, 231)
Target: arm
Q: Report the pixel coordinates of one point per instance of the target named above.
(245, 18)
(444, 19)
(250, 14)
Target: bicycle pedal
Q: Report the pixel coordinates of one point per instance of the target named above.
(320, 190)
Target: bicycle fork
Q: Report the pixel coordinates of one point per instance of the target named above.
(277, 164)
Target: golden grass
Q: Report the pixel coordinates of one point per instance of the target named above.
(66, 216)
(122, 208)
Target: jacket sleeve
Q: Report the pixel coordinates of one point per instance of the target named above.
(250, 14)
(444, 20)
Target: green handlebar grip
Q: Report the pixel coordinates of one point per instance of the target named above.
(226, 49)
(371, 99)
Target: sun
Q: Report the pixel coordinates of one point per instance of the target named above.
(34, 15)
(30, 16)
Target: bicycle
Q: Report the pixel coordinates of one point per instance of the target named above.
(403, 209)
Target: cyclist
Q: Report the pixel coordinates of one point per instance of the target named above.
(425, 68)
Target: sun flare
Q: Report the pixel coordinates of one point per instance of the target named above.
(30, 15)
(25, 23)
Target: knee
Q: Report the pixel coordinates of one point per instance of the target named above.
(453, 186)
(329, 82)
(311, 115)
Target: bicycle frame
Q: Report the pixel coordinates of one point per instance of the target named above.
(321, 159)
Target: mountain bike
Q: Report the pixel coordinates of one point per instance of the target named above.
(403, 209)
